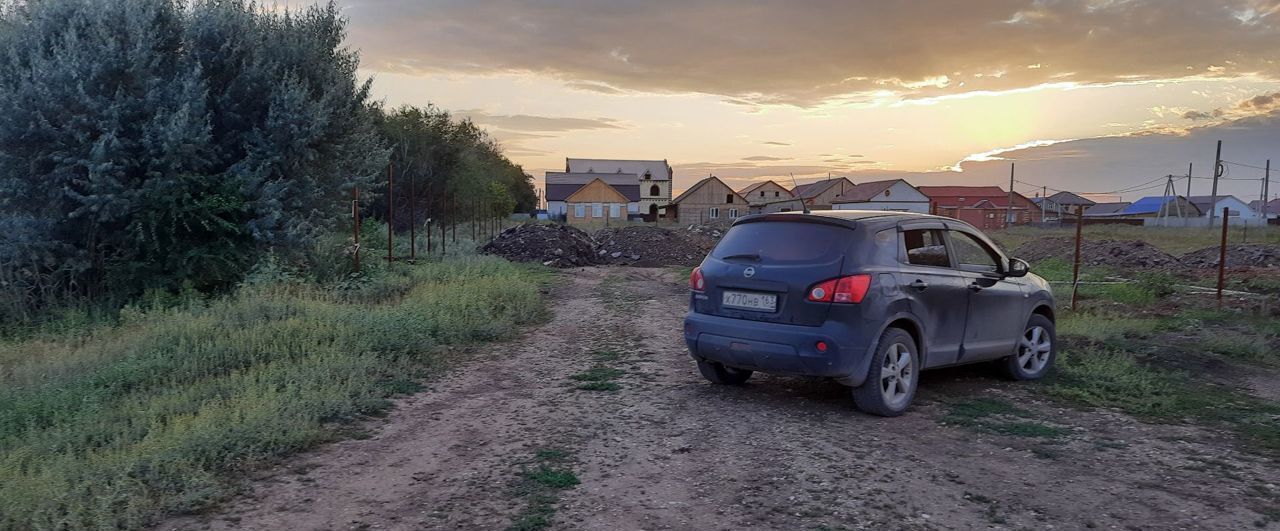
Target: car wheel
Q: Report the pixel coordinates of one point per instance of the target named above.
(717, 373)
(1036, 350)
(893, 376)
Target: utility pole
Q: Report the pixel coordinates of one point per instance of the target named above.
(1217, 172)
(1008, 209)
(1266, 188)
(1189, 165)
(1044, 198)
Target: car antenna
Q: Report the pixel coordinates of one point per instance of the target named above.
(803, 205)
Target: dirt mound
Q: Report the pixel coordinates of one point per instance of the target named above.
(651, 246)
(1129, 254)
(712, 229)
(552, 245)
(1238, 255)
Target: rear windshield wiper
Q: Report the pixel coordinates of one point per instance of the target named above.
(741, 256)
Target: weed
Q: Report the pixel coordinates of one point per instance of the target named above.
(599, 386)
(998, 416)
(598, 373)
(1104, 327)
(540, 487)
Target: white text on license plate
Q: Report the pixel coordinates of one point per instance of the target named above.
(750, 301)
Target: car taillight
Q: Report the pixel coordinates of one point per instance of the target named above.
(696, 282)
(850, 289)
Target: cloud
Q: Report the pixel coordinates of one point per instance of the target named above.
(525, 122)
(814, 52)
(1201, 115)
(759, 158)
(773, 143)
(1261, 102)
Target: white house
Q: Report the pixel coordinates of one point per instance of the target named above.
(894, 194)
(1239, 209)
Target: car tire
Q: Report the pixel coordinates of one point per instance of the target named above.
(893, 377)
(717, 373)
(1035, 353)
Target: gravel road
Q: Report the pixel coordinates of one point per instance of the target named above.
(666, 450)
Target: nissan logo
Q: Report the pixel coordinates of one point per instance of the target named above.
(749, 272)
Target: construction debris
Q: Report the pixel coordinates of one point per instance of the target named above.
(552, 245)
(649, 246)
(1238, 255)
(1126, 254)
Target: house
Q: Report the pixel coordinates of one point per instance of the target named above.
(653, 177)
(985, 207)
(1062, 205)
(821, 195)
(1106, 210)
(1239, 209)
(768, 196)
(894, 194)
(597, 202)
(1271, 209)
(707, 200)
(561, 185)
(1158, 205)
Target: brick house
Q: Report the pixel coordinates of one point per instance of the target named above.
(984, 207)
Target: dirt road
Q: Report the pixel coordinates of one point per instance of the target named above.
(666, 450)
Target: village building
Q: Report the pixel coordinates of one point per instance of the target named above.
(767, 197)
(598, 202)
(985, 207)
(561, 185)
(1270, 209)
(652, 176)
(894, 195)
(1238, 209)
(1106, 210)
(821, 195)
(1062, 205)
(707, 200)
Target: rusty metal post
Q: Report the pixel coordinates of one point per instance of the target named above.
(1222, 255)
(413, 221)
(453, 215)
(355, 223)
(390, 215)
(1075, 271)
(428, 227)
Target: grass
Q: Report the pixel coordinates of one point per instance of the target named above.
(1104, 326)
(1173, 240)
(540, 486)
(598, 378)
(993, 415)
(115, 426)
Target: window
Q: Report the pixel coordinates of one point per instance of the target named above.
(580, 210)
(762, 193)
(648, 176)
(714, 213)
(733, 213)
(925, 247)
(613, 210)
(728, 199)
(775, 193)
(597, 210)
(972, 254)
(655, 191)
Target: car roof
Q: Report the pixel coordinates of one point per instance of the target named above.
(850, 218)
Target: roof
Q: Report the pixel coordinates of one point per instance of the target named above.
(700, 184)
(1272, 205)
(1070, 199)
(658, 170)
(1205, 202)
(816, 188)
(969, 196)
(617, 189)
(1151, 205)
(743, 192)
(1105, 209)
(561, 185)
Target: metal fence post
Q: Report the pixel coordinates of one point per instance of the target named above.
(1075, 272)
(1222, 255)
(355, 223)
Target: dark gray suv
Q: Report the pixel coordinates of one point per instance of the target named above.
(867, 298)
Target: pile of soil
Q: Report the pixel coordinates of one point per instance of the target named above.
(552, 245)
(1127, 254)
(648, 246)
(1238, 255)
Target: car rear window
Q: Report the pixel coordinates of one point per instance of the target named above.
(783, 241)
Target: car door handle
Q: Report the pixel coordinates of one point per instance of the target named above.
(919, 285)
(974, 287)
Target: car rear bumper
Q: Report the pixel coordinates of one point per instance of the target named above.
(780, 348)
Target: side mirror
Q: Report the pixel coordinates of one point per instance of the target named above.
(1017, 268)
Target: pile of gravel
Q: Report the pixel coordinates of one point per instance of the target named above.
(552, 245)
(649, 246)
(1238, 255)
(1126, 254)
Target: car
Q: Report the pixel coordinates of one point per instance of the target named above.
(867, 298)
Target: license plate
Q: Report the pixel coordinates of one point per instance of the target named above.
(749, 301)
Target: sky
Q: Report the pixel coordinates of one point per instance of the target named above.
(1092, 96)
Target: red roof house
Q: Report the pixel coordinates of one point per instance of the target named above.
(984, 207)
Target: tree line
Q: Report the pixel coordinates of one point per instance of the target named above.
(169, 144)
